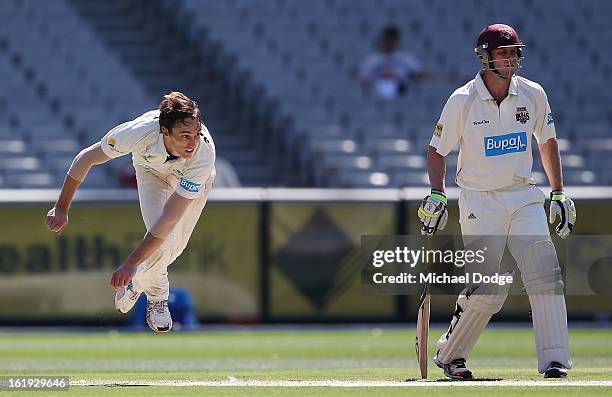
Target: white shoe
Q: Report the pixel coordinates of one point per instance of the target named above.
(456, 369)
(125, 298)
(158, 316)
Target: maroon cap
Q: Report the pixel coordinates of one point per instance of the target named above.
(497, 36)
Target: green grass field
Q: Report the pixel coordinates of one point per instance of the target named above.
(130, 364)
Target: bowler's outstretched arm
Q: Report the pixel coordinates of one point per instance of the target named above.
(57, 217)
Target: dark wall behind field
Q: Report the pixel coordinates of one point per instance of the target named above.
(246, 262)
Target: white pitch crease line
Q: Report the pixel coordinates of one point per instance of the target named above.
(342, 383)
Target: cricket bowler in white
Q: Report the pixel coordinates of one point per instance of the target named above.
(174, 158)
(492, 119)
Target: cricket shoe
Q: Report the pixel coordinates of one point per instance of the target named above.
(125, 298)
(555, 370)
(158, 316)
(455, 370)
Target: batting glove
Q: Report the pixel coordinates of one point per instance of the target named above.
(563, 206)
(432, 213)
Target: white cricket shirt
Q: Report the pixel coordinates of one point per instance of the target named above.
(494, 141)
(142, 138)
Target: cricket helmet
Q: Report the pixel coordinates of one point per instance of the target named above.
(497, 36)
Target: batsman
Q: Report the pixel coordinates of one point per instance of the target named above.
(492, 120)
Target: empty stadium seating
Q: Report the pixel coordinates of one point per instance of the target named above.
(62, 94)
(291, 63)
(305, 53)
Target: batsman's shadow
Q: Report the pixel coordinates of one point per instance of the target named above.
(454, 380)
(471, 380)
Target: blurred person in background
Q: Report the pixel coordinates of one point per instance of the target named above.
(174, 158)
(389, 72)
(226, 174)
(126, 175)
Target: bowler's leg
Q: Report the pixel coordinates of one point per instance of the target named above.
(153, 193)
(153, 274)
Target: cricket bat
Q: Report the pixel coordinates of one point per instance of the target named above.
(422, 331)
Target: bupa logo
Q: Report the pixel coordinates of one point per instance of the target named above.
(513, 142)
(190, 186)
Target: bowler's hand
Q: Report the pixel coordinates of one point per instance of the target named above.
(56, 220)
(123, 275)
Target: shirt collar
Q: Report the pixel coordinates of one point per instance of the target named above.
(160, 151)
(484, 93)
(513, 89)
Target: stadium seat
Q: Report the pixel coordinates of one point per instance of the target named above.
(31, 180)
(293, 63)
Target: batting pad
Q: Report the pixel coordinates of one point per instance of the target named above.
(541, 277)
(550, 328)
(472, 314)
(540, 269)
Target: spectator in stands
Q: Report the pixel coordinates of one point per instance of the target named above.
(226, 174)
(388, 72)
(126, 175)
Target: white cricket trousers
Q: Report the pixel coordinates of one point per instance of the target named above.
(517, 215)
(517, 210)
(154, 189)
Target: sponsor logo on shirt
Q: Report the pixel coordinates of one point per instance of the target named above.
(481, 122)
(438, 130)
(513, 142)
(550, 120)
(522, 115)
(190, 186)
